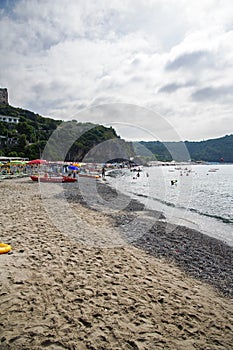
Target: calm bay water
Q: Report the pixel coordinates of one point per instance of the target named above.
(202, 197)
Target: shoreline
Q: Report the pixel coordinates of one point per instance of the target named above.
(213, 225)
(60, 294)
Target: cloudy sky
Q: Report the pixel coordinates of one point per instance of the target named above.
(159, 69)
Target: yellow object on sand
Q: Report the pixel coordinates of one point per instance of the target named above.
(4, 248)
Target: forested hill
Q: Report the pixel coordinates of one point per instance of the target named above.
(213, 150)
(29, 137)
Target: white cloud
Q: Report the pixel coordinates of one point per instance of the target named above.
(58, 58)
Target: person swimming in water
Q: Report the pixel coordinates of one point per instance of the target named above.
(173, 182)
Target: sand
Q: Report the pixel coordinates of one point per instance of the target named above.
(57, 292)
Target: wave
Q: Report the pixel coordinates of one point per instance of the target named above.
(170, 204)
(218, 217)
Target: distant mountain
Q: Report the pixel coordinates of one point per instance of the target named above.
(30, 135)
(213, 150)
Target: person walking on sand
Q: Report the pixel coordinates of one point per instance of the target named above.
(103, 172)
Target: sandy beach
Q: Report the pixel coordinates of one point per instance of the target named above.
(160, 291)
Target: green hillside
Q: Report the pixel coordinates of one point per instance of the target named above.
(29, 137)
(78, 142)
(213, 150)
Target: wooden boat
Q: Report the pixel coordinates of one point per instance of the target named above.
(59, 179)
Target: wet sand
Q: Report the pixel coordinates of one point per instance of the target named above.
(58, 292)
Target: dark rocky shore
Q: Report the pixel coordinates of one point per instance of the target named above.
(202, 257)
(199, 255)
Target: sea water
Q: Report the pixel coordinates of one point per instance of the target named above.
(201, 196)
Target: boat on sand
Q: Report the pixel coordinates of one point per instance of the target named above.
(59, 179)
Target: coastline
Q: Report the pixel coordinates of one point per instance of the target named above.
(200, 214)
(61, 294)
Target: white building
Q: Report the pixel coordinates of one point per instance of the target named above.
(9, 119)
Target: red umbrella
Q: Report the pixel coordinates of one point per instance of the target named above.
(37, 162)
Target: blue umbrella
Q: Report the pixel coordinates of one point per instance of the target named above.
(73, 167)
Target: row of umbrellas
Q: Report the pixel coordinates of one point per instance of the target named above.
(74, 166)
(31, 162)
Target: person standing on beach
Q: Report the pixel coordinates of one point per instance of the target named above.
(103, 172)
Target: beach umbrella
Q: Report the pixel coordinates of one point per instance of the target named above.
(37, 162)
(73, 167)
(17, 162)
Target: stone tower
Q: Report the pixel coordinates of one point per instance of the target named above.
(3, 96)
